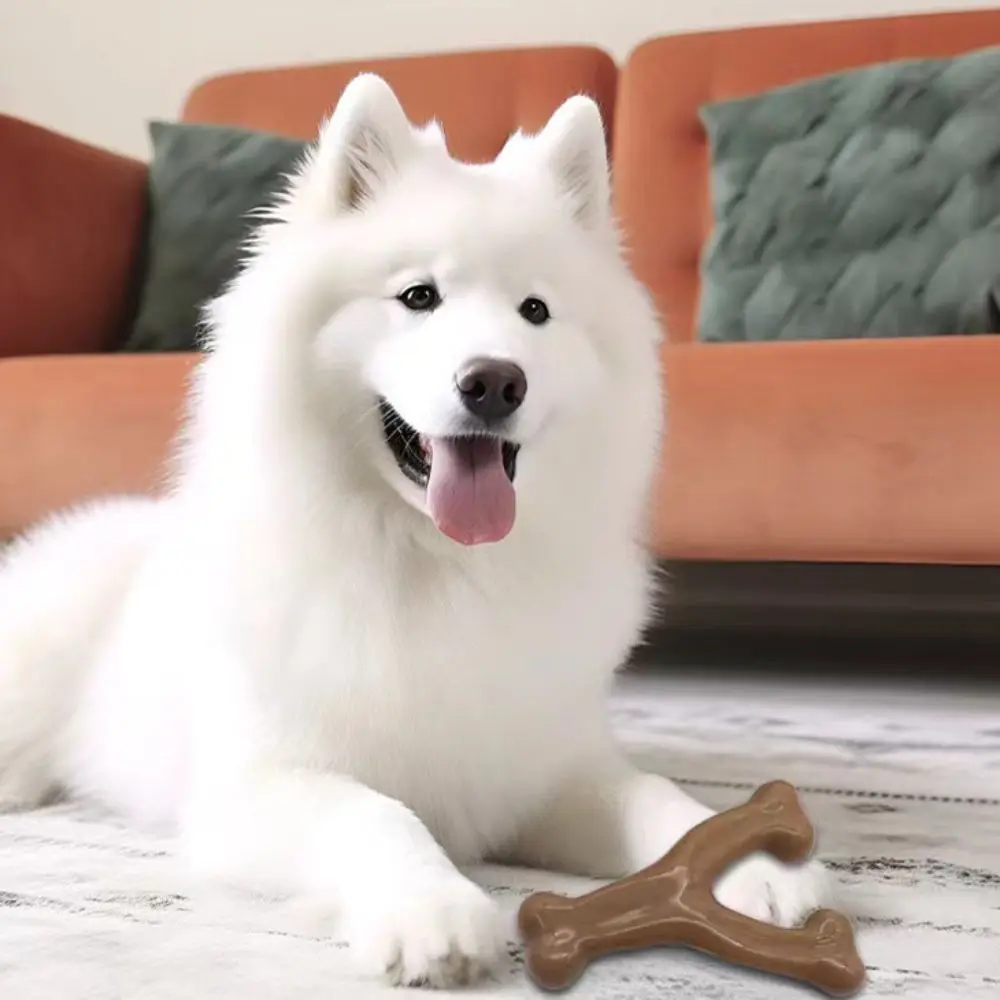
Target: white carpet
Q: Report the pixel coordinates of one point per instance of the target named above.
(902, 784)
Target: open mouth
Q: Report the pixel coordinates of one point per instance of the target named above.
(468, 479)
(414, 452)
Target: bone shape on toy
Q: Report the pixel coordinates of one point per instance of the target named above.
(671, 903)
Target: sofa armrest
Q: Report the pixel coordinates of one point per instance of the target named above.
(71, 222)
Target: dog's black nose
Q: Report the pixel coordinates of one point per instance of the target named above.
(492, 389)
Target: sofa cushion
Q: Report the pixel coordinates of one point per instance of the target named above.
(855, 451)
(81, 427)
(205, 181)
(660, 146)
(860, 204)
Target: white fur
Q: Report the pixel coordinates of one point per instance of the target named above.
(284, 661)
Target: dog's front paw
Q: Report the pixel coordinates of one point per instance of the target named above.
(442, 931)
(768, 890)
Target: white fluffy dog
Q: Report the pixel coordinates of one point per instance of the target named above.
(367, 637)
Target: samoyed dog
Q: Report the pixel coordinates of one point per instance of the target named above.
(366, 638)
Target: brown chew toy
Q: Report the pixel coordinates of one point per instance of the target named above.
(671, 903)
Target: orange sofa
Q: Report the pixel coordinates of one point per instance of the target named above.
(835, 452)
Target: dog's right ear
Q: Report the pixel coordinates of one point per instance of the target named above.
(366, 139)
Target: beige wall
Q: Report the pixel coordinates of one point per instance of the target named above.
(99, 68)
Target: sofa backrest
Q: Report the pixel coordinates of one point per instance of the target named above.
(479, 97)
(660, 148)
(650, 110)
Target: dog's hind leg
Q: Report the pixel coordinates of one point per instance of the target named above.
(59, 587)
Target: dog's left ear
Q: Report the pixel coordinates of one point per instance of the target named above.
(573, 148)
(364, 142)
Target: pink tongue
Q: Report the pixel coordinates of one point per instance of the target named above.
(469, 495)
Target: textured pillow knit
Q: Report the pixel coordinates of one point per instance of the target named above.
(205, 182)
(861, 204)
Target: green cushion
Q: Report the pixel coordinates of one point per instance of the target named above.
(205, 182)
(860, 204)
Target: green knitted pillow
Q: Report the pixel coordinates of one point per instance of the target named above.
(861, 204)
(205, 182)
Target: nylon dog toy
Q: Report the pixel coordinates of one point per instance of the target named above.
(671, 903)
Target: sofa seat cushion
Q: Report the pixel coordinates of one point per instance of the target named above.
(75, 427)
(839, 451)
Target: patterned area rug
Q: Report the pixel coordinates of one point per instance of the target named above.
(902, 784)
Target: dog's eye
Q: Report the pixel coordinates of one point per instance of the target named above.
(534, 311)
(420, 298)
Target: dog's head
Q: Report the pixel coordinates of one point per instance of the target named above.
(483, 310)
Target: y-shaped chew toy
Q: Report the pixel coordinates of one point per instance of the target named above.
(671, 903)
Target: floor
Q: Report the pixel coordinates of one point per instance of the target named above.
(900, 774)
